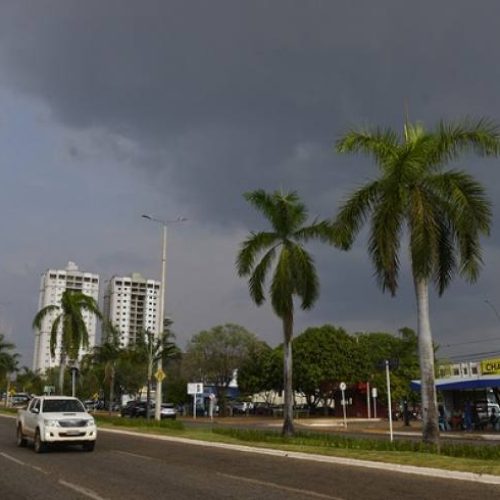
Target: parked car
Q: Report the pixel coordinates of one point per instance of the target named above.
(262, 409)
(20, 399)
(168, 410)
(135, 409)
(484, 410)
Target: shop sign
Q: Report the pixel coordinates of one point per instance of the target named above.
(490, 366)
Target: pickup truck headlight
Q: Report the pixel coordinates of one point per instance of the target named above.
(90, 422)
(51, 423)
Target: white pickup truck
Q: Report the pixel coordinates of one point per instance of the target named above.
(55, 420)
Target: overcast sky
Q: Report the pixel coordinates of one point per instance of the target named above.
(111, 109)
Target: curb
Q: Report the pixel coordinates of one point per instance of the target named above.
(404, 469)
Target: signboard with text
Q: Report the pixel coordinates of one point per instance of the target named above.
(195, 388)
(490, 366)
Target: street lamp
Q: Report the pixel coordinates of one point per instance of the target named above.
(161, 314)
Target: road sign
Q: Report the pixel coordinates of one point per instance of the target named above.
(343, 386)
(195, 388)
(160, 375)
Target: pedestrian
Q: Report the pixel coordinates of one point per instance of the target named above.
(443, 420)
(493, 419)
(468, 416)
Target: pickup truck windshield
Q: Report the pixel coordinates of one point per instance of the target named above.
(62, 405)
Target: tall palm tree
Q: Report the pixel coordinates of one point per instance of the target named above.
(444, 212)
(294, 274)
(70, 322)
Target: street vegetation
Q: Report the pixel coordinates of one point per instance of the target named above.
(441, 213)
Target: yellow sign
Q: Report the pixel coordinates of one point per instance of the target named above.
(159, 375)
(490, 366)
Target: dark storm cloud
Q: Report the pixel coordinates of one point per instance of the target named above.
(219, 97)
(225, 91)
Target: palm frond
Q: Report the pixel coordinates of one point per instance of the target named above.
(353, 214)
(256, 282)
(480, 136)
(251, 248)
(385, 236)
(322, 231)
(40, 315)
(282, 288)
(305, 278)
(381, 144)
(53, 334)
(424, 225)
(446, 264)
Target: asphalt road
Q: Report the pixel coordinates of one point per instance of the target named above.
(125, 467)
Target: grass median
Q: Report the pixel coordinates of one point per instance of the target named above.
(476, 458)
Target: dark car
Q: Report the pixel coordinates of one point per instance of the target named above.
(136, 409)
(484, 410)
(20, 399)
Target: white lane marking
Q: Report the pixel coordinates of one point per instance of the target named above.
(136, 455)
(81, 489)
(8, 457)
(39, 469)
(280, 487)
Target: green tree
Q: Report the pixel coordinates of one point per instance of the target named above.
(70, 322)
(444, 212)
(376, 347)
(323, 357)
(29, 381)
(214, 356)
(294, 274)
(8, 361)
(260, 373)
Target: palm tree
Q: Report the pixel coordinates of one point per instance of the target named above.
(70, 322)
(294, 272)
(151, 349)
(443, 211)
(8, 361)
(107, 354)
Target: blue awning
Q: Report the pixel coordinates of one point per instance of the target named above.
(460, 383)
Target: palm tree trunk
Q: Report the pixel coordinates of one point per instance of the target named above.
(62, 369)
(430, 424)
(288, 428)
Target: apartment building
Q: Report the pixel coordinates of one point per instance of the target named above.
(52, 285)
(131, 304)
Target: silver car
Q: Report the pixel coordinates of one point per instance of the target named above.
(168, 410)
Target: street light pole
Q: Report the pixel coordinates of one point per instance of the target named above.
(161, 315)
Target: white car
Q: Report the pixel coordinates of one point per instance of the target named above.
(56, 420)
(168, 411)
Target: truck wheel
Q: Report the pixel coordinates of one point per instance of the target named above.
(38, 444)
(21, 440)
(89, 446)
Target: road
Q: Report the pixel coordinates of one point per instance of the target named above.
(126, 467)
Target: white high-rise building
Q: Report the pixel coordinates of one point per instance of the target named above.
(53, 283)
(131, 304)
